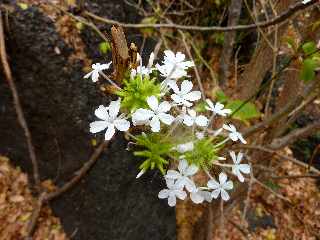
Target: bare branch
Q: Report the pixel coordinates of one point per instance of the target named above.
(276, 20)
(291, 159)
(294, 135)
(79, 174)
(285, 110)
(18, 107)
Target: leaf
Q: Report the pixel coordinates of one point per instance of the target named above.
(246, 112)
(309, 48)
(308, 70)
(221, 97)
(104, 47)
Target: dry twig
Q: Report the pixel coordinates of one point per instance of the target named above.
(276, 20)
(18, 107)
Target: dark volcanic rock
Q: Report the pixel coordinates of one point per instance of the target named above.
(109, 203)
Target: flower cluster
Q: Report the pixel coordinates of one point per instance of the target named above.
(178, 133)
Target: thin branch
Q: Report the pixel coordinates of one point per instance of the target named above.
(83, 21)
(268, 150)
(206, 64)
(195, 68)
(285, 110)
(294, 135)
(271, 190)
(276, 20)
(18, 107)
(34, 217)
(79, 174)
(295, 176)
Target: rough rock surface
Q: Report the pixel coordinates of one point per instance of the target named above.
(109, 203)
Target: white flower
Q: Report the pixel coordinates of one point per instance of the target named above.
(192, 119)
(198, 196)
(156, 114)
(218, 108)
(200, 135)
(182, 177)
(185, 147)
(221, 187)
(109, 120)
(237, 168)
(233, 134)
(174, 66)
(142, 70)
(97, 68)
(172, 193)
(184, 96)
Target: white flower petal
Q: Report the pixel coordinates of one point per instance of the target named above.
(202, 121)
(122, 124)
(224, 195)
(222, 178)
(193, 96)
(213, 184)
(166, 118)
(239, 157)
(189, 184)
(177, 98)
(105, 66)
(245, 168)
(114, 108)
(228, 185)
(196, 197)
(164, 107)
(227, 127)
(153, 103)
(241, 138)
(172, 174)
(142, 114)
(233, 156)
(163, 194)
(98, 126)
(188, 120)
(179, 57)
(151, 59)
(155, 124)
(102, 112)
(191, 170)
(186, 147)
(88, 74)
(180, 194)
(170, 183)
(172, 200)
(210, 104)
(183, 164)
(110, 132)
(186, 86)
(173, 85)
(233, 136)
(215, 193)
(95, 76)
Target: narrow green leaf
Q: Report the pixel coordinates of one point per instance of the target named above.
(309, 48)
(246, 112)
(104, 47)
(308, 70)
